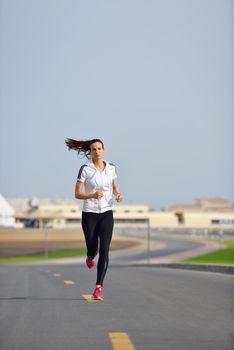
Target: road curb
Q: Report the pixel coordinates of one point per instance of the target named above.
(225, 269)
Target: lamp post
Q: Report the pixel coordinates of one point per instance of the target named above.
(46, 242)
(148, 241)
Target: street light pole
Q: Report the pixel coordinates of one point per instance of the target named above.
(46, 242)
(148, 241)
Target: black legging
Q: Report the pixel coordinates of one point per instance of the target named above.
(98, 226)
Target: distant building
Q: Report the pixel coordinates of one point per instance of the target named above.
(7, 213)
(205, 213)
(44, 213)
(214, 213)
(205, 205)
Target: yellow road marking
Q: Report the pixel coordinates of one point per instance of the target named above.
(89, 297)
(68, 282)
(57, 274)
(121, 341)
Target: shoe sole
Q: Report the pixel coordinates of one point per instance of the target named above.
(100, 299)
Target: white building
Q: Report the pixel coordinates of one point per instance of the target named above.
(7, 213)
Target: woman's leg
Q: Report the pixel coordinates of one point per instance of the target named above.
(89, 226)
(105, 229)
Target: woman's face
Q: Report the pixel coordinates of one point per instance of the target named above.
(96, 151)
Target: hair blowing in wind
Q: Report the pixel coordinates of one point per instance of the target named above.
(81, 147)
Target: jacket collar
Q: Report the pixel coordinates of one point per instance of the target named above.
(91, 165)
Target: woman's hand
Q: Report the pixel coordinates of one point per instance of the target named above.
(119, 197)
(117, 194)
(98, 195)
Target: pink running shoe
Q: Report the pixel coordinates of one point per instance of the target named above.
(90, 263)
(97, 294)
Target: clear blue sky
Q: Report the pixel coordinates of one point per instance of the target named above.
(153, 79)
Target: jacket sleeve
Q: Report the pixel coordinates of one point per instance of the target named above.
(82, 174)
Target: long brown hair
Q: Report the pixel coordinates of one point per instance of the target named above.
(81, 147)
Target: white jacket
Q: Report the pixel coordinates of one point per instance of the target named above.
(97, 180)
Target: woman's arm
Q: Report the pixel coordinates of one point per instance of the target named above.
(79, 194)
(116, 192)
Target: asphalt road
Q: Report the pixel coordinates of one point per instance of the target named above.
(42, 307)
(172, 246)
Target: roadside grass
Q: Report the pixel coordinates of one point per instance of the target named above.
(51, 255)
(223, 256)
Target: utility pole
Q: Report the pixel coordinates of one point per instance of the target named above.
(148, 241)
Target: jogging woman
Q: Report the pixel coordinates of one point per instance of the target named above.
(96, 184)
